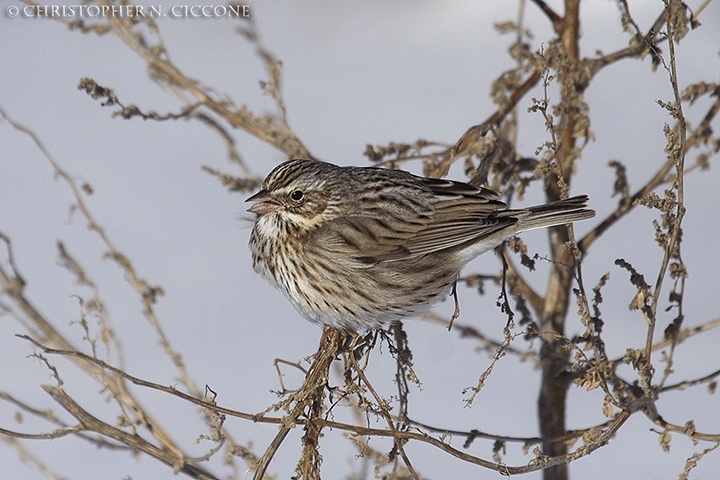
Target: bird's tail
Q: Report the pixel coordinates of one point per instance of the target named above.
(554, 213)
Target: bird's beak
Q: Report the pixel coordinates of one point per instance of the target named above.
(264, 203)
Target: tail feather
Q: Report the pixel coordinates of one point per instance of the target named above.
(554, 213)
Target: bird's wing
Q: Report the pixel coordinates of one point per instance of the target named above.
(443, 215)
(462, 213)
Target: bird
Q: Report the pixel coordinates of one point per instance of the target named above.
(357, 248)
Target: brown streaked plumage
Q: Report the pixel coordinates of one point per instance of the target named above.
(358, 247)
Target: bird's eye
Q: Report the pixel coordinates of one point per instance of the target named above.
(297, 195)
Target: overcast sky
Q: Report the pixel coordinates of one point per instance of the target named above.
(353, 74)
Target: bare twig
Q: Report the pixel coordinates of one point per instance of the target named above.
(90, 423)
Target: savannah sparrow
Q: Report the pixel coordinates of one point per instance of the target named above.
(357, 247)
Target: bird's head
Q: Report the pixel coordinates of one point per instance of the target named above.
(295, 192)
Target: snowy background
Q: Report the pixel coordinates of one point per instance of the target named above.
(354, 73)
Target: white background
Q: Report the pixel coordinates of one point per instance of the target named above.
(370, 72)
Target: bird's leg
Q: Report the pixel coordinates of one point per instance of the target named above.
(505, 307)
(456, 313)
(327, 335)
(349, 337)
